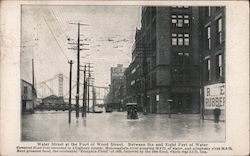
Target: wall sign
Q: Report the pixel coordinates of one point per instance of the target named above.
(215, 96)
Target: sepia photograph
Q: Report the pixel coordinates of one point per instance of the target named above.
(123, 73)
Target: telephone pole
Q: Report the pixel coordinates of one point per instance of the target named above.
(78, 67)
(88, 83)
(84, 93)
(93, 97)
(33, 86)
(70, 84)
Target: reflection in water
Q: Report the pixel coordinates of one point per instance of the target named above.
(84, 122)
(54, 126)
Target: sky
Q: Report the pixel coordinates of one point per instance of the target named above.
(110, 33)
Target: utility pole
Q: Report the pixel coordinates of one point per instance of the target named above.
(84, 93)
(87, 77)
(33, 86)
(70, 83)
(78, 68)
(88, 84)
(94, 98)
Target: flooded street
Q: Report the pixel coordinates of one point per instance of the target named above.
(54, 126)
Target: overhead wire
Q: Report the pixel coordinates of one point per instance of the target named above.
(52, 33)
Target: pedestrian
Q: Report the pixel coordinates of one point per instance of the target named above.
(217, 112)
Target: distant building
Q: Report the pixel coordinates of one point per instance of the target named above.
(117, 72)
(53, 100)
(117, 80)
(134, 75)
(28, 97)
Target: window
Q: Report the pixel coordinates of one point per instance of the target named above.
(132, 82)
(207, 11)
(219, 71)
(208, 70)
(208, 41)
(180, 39)
(180, 21)
(174, 39)
(186, 20)
(186, 58)
(180, 58)
(186, 39)
(219, 31)
(174, 20)
(25, 90)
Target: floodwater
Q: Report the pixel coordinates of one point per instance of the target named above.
(54, 126)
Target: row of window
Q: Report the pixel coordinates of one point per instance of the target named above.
(180, 39)
(218, 68)
(180, 20)
(181, 58)
(218, 36)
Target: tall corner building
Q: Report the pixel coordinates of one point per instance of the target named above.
(173, 59)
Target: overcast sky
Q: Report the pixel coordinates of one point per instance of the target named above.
(45, 30)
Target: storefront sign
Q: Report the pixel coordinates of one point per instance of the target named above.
(215, 96)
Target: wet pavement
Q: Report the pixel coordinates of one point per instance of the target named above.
(54, 126)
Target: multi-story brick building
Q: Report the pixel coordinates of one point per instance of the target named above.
(134, 73)
(213, 58)
(173, 59)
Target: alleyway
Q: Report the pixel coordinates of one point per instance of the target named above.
(53, 126)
